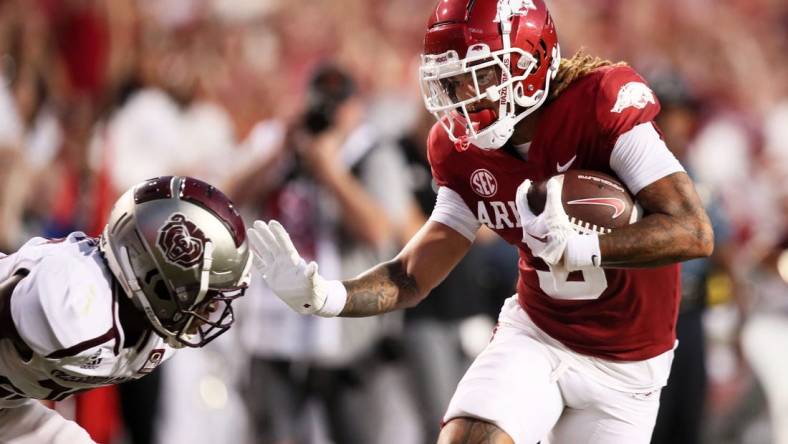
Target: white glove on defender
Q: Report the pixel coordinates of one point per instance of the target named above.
(550, 235)
(297, 283)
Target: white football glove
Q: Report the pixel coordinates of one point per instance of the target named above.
(551, 236)
(288, 275)
(546, 234)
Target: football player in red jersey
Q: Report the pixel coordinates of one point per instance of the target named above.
(582, 351)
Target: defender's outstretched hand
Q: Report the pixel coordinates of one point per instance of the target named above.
(288, 275)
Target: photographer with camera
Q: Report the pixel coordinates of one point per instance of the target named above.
(339, 188)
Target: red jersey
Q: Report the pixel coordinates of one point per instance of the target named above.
(626, 314)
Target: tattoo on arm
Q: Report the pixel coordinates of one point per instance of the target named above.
(473, 431)
(385, 288)
(676, 228)
(483, 433)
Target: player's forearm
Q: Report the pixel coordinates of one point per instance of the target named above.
(656, 240)
(385, 288)
(675, 229)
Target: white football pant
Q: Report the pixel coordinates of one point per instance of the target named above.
(529, 388)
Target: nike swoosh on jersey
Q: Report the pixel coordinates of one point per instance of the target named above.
(618, 205)
(540, 239)
(564, 167)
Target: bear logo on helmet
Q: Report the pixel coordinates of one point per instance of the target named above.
(181, 241)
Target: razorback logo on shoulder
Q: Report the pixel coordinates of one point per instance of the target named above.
(633, 95)
(498, 215)
(181, 241)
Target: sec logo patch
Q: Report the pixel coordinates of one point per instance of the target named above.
(483, 183)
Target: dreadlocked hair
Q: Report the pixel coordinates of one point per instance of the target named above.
(574, 68)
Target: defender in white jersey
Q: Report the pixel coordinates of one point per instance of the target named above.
(82, 312)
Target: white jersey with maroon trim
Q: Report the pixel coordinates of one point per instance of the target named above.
(65, 313)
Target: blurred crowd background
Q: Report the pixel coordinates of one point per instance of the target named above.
(309, 111)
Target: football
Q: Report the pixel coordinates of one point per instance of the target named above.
(594, 202)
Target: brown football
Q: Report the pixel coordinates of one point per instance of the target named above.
(594, 202)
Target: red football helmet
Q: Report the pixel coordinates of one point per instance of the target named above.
(503, 51)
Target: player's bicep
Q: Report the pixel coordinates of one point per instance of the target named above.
(452, 211)
(443, 241)
(432, 253)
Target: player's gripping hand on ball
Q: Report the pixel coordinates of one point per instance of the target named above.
(550, 235)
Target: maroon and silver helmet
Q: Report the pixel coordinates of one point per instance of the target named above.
(178, 248)
(506, 50)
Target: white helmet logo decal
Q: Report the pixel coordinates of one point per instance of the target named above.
(633, 95)
(516, 7)
(181, 241)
